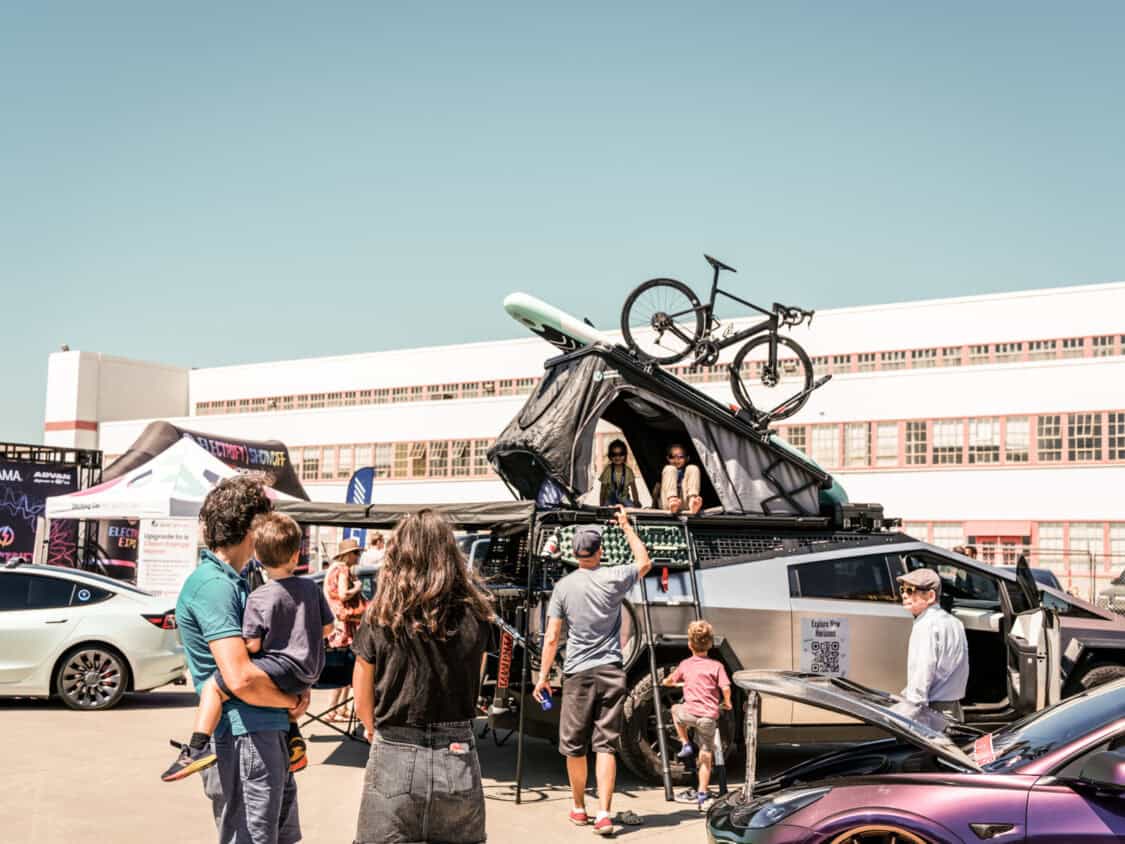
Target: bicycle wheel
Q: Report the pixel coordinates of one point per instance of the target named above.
(746, 376)
(662, 320)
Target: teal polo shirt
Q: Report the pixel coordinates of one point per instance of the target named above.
(210, 607)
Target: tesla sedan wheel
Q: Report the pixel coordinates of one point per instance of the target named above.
(91, 678)
(878, 835)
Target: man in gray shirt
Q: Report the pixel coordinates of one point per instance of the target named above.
(589, 601)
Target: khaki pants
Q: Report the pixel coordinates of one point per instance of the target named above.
(668, 485)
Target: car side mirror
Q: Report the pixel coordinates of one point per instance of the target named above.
(1104, 771)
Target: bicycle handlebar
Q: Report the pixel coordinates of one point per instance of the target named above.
(792, 315)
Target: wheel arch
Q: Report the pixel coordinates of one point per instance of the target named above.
(860, 817)
(1093, 655)
(90, 643)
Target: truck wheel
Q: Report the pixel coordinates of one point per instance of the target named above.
(640, 751)
(1098, 674)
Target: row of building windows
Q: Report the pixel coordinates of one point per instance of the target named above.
(398, 460)
(1045, 438)
(966, 355)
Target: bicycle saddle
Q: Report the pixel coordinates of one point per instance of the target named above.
(718, 265)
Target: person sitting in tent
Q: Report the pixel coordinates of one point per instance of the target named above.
(680, 482)
(618, 482)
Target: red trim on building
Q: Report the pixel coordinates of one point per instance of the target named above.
(75, 425)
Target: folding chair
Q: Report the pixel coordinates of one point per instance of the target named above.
(337, 673)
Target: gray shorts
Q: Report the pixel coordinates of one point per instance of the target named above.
(252, 792)
(593, 711)
(422, 784)
(704, 727)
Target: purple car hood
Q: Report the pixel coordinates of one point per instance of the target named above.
(919, 725)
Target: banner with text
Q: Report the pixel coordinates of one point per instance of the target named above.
(167, 553)
(24, 488)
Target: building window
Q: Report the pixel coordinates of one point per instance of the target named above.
(949, 535)
(1048, 438)
(385, 460)
(1084, 437)
(1117, 543)
(363, 455)
(984, 440)
(480, 457)
(857, 444)
(310, 464)
(923, 358)
(1051, 544)
(1116, 432)
(470, 390)
(381, 396)
(1042, 350)
(1017, 440)
(915, 443)
(345, 463)
(400, 394)
(892, 360)
(1087, 539)
(841, 363)
(886, 444)
(978, 354)
(525, 386)
(1008, 352)
(820, 365)
(441, 392)
(1072, 347)
(866, 362)
(918, 530)
(328, 462)
(418, 459)
(826, 445)
(951, 356)
(316, 400)
(488, 389)
(507, 387)
(797, 437)
(949, 442)
(1103, 346)
(462, 458)
(402, 460)
(439, 459)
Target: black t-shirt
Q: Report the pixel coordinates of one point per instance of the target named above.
(420, 680)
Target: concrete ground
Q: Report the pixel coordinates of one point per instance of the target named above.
(95, 776)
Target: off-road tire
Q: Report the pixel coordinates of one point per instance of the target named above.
(638, 753)
(1096, 675)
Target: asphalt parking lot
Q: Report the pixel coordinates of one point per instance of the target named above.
(95, 776)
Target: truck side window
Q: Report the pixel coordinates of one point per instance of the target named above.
(847, 579)
(963, 585)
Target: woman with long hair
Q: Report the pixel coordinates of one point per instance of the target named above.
(418, 655)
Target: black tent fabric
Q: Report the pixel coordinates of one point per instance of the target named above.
(270, 457)
(490, 515)
(553, 436)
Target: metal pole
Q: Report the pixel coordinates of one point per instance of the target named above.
(751, 725)
(531, 558)
(661, 738)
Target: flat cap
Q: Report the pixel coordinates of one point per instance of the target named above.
(922, 579)
(587, 540)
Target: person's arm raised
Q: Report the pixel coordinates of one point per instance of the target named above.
(636, 545)
(245, 680)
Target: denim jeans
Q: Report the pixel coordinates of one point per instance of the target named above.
(422, 784)
(251, 790)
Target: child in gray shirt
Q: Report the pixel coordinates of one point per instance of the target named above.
(285, 623)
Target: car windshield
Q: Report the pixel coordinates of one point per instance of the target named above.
(1047, 730)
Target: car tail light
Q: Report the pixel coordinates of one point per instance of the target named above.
(165, 620)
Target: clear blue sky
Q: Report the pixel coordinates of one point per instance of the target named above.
(205, 185)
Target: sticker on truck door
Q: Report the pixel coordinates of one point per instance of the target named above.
(824, 646)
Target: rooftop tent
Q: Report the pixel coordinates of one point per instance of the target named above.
(270, 457)
(553, 436)
(467, 516)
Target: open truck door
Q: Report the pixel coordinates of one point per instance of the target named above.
(1034, 667)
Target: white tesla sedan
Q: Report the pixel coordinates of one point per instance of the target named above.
(84, 637)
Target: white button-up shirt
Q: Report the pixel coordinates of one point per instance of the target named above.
(937, 661)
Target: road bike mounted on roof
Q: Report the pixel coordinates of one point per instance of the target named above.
(663, 322)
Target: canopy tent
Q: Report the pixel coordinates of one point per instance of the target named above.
(490, 515)
(270, 457)
(172, 484)
(744, 470)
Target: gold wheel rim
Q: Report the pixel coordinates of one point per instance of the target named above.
(894, 834)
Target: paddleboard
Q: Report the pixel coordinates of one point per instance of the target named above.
(556, 326)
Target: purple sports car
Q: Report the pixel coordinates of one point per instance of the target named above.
(1056, 776)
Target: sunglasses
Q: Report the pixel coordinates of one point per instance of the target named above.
(617, 454)
(910, 590)
(676, 456)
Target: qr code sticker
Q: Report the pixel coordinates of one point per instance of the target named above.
(825, 657)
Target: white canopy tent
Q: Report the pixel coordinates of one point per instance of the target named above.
(171, 485)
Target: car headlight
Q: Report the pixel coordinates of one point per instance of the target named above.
(767, 813)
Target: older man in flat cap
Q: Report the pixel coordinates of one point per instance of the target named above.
(593, 705)
(937, 661)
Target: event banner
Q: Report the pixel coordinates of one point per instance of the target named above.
(168, 552)
(24, 489)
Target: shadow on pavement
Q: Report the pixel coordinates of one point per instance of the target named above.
(133, 700)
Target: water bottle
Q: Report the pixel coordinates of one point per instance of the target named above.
(546, 702)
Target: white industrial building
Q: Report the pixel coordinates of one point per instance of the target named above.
(997, 420)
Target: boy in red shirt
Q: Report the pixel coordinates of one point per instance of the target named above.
(705, 681)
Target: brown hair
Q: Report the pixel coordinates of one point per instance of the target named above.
(229, 510)
(425, 585)
(701, 635)
(276, 539)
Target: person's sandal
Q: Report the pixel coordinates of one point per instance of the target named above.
(629, 818)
